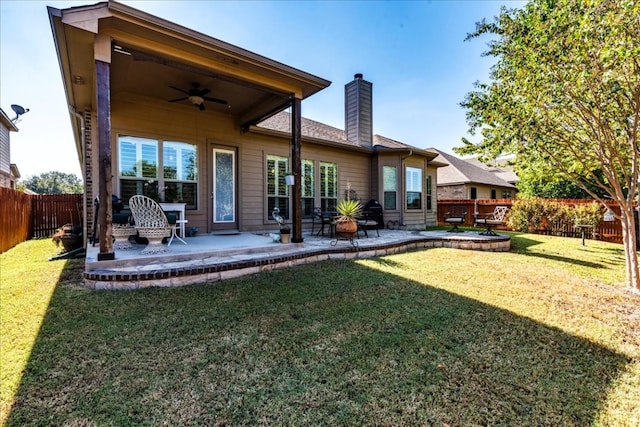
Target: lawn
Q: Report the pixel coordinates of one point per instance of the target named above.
(542, 335)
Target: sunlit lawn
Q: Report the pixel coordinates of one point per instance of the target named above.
(542, 335)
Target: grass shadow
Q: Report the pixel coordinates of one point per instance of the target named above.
(522, 245)
(330, 343)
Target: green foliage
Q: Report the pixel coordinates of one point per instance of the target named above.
(565, 91)
(349, 210)
(54, 183)
(564, 98)
(589, 214)
(541, 180)
(542, 214)
(525, 214)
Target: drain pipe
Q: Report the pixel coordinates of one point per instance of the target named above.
(403, 179)
(80, 117)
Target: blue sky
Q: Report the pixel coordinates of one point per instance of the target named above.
(413, 52)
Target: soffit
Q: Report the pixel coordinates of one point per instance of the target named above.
(163, 54)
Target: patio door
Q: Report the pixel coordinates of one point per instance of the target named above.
(224, 190)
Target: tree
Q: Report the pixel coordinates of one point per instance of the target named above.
(542, 181)
(54, 183)
(565, 92)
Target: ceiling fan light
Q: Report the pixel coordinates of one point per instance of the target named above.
(195, 99)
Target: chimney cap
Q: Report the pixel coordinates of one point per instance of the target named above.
(357, 76)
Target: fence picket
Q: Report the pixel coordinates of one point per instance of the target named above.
(609, 231)
(24, 216)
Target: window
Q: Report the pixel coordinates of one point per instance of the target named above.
(414, 188)
(506, 194)
(429, 190)
(474, 193)
(493, 193)
(389, 186)
(308, 188)
(172, 177)
(277, 189)
(328, 186)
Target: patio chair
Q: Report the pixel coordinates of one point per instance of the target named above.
(371, 217)
(456, 216)
(325, 219)
(151, 223)
(491, 220)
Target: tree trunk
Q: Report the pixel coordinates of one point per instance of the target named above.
(629, 240)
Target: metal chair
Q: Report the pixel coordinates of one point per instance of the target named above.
(455, 216)
(151, 223)
(371, 218)
(491, 220)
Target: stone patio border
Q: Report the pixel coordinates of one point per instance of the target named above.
(182, 274)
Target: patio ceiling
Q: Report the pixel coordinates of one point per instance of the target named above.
(148, 55)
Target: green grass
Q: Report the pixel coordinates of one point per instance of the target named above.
(543, 335)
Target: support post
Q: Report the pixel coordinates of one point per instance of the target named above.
(296, 168)
(103, 90)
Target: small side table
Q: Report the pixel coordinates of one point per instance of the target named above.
(180, 208)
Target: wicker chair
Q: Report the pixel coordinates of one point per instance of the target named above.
(151, 223)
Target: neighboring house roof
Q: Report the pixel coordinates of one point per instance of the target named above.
(499, 166)
(6, 121)
(15, 171)
(323, 133)
(462, 171)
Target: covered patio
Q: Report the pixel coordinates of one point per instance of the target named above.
(213, 257)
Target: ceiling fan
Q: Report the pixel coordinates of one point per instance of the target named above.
(196, 96)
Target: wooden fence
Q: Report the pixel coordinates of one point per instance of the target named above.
(24, 216)
(609, 231)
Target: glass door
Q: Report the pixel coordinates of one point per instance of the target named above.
(224, 189)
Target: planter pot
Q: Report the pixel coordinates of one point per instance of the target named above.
(346, 229)
(285, 237)
(71, 242)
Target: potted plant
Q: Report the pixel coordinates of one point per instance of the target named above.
(69, 236)
(348, 213)
(285, 234)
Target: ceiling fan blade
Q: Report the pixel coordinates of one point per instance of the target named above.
(179, 99)
(201, 106)
(180, 90)
(203, 92)
(219, 101)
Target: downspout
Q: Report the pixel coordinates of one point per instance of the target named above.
(80, 117)
(403, 186)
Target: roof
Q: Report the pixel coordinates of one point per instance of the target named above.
(7, 122)
(137, 45)
(462, 171)
(323, 133)
(499, 166)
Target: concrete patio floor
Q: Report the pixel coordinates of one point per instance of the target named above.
(210, 258)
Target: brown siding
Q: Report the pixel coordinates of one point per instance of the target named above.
(154, 120)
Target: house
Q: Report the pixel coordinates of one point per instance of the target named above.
(499, 166)
(472, 179)
(161, 110)
(9, 173)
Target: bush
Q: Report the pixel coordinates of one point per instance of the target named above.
(533, 214)
(526, 215)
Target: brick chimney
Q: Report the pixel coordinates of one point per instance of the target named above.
(358, 111)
